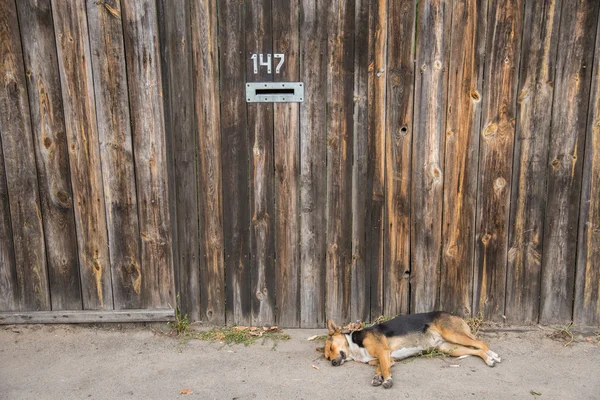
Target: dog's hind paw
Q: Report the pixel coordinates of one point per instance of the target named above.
(494, 356)
(388, 383)
(377, 380)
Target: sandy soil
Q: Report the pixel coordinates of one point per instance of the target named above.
(75, 362)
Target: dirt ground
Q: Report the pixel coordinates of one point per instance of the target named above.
(117, 362)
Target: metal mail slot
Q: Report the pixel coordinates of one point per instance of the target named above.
(275, 92)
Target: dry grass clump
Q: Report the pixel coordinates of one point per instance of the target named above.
(563, 334)
(475, 323)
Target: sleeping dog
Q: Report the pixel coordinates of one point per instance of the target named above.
(403, 337)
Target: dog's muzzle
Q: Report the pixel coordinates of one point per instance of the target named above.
(340, 360)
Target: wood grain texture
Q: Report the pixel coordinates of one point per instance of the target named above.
(528, 194)
(175, 22)
(9, 290)
(432, 56)
(86, 317)
(565, 158)
(398, 132)
(360, 295)
(259, 39)
(114, 133)
(206, 93)
(340, 93)
(48, 125)
(586, 310)
(20, 168)
(140, 28)
(465, 83)
(313, 142)
(235, 149)
(503, 38)
(74, 64)
(378, 31)
(286, 131)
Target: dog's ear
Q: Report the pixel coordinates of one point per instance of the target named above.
(332, 327)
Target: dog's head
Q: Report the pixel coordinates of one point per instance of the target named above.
(336, 346)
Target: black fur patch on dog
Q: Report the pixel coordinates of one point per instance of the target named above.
(399, 326)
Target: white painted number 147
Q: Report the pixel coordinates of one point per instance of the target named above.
(259, 60)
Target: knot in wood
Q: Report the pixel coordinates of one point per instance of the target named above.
(475, 95)
(436, 173)
(499, 184)
(437, 64)
(490, 130)
(486, 238)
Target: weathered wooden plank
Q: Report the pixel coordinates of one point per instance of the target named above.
(259, 35)
(45, 103)
(235, 149)
(174, 18)
(140, 28)
(528, 194)
(86, 317)
(503, 38)
(286, 156)
(398, 132)
(20, 167)
(565, 158)
(378, 31)
(340, 92)
(313, 72)
(586, 310)
(462, 148)
(359, 274)
(74, 62)
(432, 55)
(206, 90)
(116, 152)
(9, 290)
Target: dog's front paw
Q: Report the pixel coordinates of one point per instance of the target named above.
(377, 380)
(388, 383)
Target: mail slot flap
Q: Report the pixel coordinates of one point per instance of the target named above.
(275, 92)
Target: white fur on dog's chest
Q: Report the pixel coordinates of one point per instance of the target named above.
(358, 353)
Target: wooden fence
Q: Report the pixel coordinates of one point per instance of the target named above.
(446, 156)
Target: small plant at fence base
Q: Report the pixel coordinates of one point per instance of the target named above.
(245, 335)
(563, 334)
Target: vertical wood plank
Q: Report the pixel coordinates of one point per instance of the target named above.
(360, 295)
(174, 17)
(313, 72)
(378, 19)
(20, 167)
(565, 158)
(340, 118)
(286, 155)
(462, 148)
(74, 62)
(398, 131)
(45, 103)
(235, 149)
(587, 284)
(340, 92)
(140, 27)
(114, 132)
(259, 39)
(206, 90)
(9, 290)
(528, 194)
(503, 38)
(433, 46)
